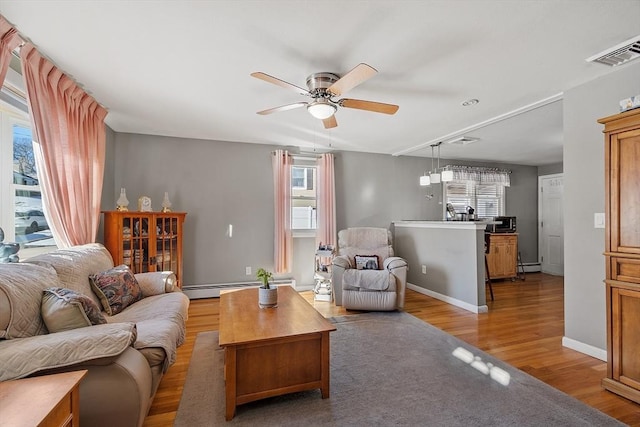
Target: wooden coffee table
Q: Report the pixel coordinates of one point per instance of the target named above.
(272, 351)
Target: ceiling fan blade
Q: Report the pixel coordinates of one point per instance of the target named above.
(330, 122)
(353, 78)
(377, 107)
(278, 82)
(282, 108)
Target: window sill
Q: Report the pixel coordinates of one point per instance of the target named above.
(303, 233)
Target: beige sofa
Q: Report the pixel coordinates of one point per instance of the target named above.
(125, 357)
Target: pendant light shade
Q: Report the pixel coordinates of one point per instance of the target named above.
(447, 176)
(425, 180)
(435, 178)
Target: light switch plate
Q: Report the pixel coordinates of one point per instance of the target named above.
(598, 220)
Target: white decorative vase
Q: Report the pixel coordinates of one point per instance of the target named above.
(122, 203)
(268, 298)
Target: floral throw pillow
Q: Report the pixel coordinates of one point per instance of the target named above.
(116, 288)
(63, 309)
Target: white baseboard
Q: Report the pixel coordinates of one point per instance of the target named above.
(213, 290)
(587, 349)
(453, 301)
(532, 267)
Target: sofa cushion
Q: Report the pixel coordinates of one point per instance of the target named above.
(64, 309)
(49, 351)
(74, 265)
(117, 288)
(21, 287)
(160, 320)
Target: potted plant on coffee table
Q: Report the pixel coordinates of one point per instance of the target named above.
(267, 293)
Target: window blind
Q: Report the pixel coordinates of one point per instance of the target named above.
(486, 199)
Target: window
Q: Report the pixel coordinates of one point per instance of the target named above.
(486, 199)
(303, 197)
(21, 212)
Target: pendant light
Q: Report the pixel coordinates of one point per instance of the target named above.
(447, 175)
(434, 175)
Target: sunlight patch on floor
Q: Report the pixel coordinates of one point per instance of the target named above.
(498, 375)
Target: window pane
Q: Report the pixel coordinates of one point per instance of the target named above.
(299, 178)
(31, 227)
(24, 163)
(303, 198)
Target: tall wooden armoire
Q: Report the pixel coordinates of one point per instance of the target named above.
(622, 252)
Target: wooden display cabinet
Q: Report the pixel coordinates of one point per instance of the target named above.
(145, 241)
(622, 252)
(503, 255)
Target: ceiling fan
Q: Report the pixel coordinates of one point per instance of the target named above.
(323, 88)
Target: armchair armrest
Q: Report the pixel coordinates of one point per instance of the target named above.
(394, 262)
(24, 356)
(339, 265)
(341, 261)
(398, 268)
(156, 282)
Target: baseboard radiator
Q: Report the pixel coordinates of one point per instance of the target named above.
(213, 290)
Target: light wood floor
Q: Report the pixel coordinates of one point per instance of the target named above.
(524, 327)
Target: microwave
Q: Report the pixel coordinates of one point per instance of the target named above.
(502, 224)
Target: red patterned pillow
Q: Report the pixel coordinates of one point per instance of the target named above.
(117, 288)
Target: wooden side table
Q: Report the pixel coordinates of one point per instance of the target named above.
(49, 400)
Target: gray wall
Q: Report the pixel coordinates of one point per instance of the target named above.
(453, 259)
(375, 189)
(221, 183)
(584, 195)
(550, 169)
(108, 181)
(217, 184)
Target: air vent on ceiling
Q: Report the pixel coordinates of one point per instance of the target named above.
(463, 140)
(619, 54)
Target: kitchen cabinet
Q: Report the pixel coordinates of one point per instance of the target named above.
(145, 241)
(502, 258)
(622, 252)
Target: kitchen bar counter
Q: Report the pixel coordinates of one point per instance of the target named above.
(452, 255)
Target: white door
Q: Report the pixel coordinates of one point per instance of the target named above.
(551, 224)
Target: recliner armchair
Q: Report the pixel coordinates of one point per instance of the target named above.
(357, 288)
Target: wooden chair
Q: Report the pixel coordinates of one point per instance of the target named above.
(487, 275)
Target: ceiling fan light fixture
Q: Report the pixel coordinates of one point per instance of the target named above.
(321, 109)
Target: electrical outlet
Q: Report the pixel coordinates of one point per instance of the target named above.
(424, 269)
(247, 271)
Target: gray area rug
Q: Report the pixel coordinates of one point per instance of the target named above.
(390, 369)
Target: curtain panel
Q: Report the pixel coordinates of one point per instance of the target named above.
(9, 40)
(326, 196)
(283, 237)
(70, 150)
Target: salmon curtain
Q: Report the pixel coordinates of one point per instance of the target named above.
(69, 129)
(283, 242)
(326, 195)
(9, 40)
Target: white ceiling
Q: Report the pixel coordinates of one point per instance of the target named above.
(182, 68)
